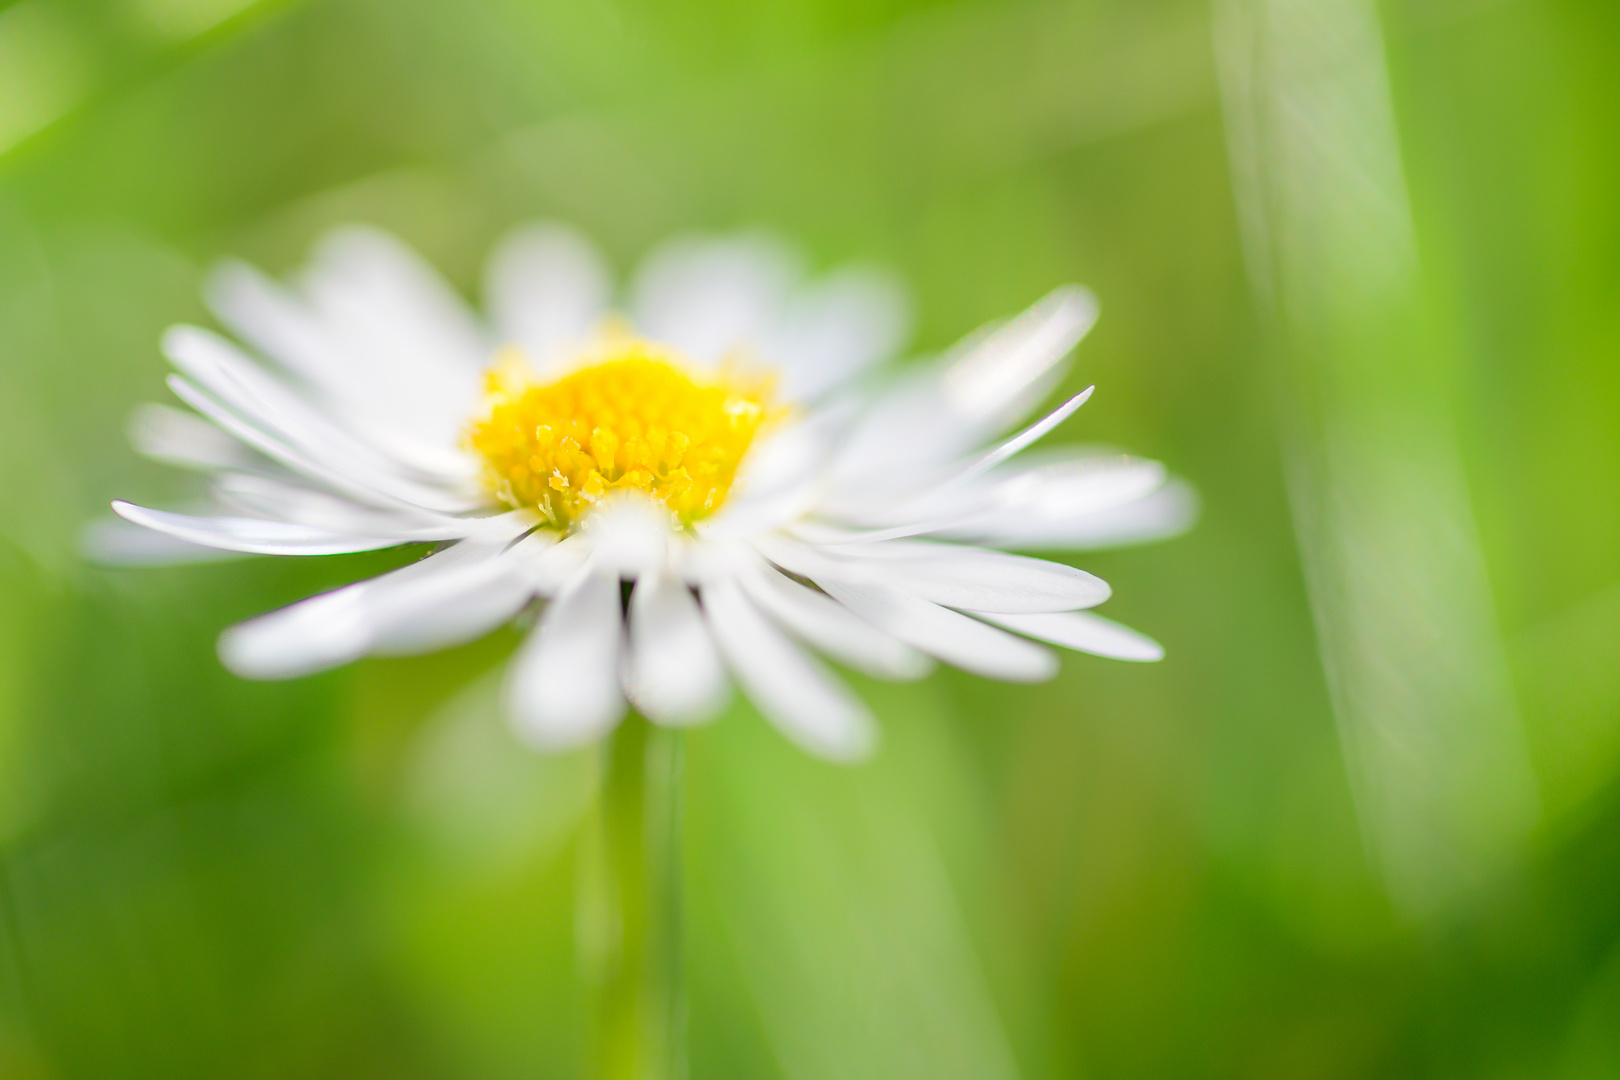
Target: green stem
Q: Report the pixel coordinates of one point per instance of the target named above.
(631, 908)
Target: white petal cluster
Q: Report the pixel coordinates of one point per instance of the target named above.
(865, 528)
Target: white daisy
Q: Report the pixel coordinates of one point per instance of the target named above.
(696, 490)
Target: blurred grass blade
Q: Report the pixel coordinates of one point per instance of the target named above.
(1565, 669)
(830, 887)
(42, 73)
(1397, 580)
(180, 20)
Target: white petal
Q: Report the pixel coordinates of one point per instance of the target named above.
(383, 299)
(545, 288)
(975, 579)
(775, 482)
(1061, 487)
(1086, 632)
(951, 636)
(174, 437)
(1066, 483)
(445, 599)
(563, 687)
(948, 574)
(1002, 366)
(287, 500)
(227, 373)
(892, 500)
(1167, 512)
(253, 535)
(263, 314)
(1023, 439)
(833, 628)
(629, 533)
(673, 674)
(834, 329)
(783, 456)
(934, 416)
(1058, 484)
(410, 402)
(794, 692)
(506, 529)
(273, 447)
(263, 402)
(552, 566)
(113, 542)
(708, 297)
(907, 432)
(350, 478)
(312, 635)
(462, 608)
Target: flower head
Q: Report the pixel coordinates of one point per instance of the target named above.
(725, 449)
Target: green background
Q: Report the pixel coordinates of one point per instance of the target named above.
(1197, 868)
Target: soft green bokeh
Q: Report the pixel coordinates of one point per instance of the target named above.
(1360, 274)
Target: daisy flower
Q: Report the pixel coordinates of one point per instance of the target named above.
(703, 482)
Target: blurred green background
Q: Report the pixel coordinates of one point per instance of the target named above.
(1359, 269)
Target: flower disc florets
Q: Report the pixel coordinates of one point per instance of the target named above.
(634, 416)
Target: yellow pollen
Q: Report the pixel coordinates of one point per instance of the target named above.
(633, 419)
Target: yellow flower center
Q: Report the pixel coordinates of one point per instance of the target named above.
(633, 418)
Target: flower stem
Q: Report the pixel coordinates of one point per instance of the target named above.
(631, 908)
